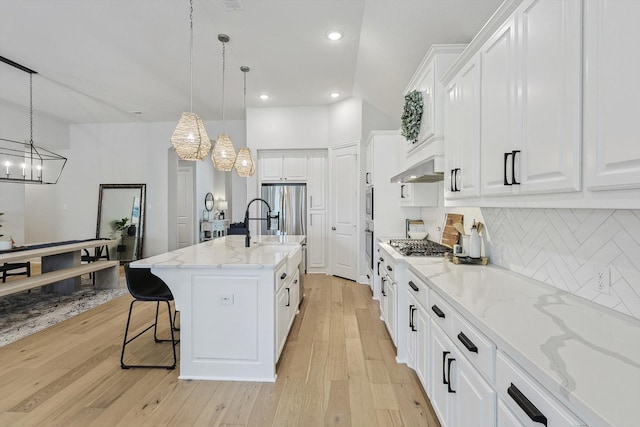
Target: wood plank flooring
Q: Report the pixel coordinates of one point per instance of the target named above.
(337, 368)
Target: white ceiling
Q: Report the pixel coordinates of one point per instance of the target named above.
(98, 60)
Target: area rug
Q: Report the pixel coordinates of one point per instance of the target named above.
(26, 313)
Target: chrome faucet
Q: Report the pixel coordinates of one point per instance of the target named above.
(247, 239)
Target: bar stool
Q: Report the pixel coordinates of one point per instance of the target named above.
(147, 287)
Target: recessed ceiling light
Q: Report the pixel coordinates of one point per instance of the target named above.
(334, 94)
(334, 35)
(264, 96)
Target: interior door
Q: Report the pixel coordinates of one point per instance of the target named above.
(344, 198)
(185, 207)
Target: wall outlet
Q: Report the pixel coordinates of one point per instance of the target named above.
(602, 279)
(225, 299)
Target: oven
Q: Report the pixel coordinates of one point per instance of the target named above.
(369, 203)
(369, 247)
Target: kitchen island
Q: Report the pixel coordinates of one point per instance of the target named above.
(231, 327)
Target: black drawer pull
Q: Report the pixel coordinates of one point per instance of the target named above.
(413, 286)
(449, 389)
(526, 405)
(284, 275)
(381, 259)
(467, 343)
(437, 311)
(411, 308)
(506, 159)
(389, 268)
(288, 297)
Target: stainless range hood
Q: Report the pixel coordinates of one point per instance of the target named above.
(421, 172)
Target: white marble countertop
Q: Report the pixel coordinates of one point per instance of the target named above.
(586, 355)
(227, 252)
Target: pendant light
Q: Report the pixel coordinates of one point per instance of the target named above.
(190, 139)
(24, 162)
(245, 166)
(224, 155)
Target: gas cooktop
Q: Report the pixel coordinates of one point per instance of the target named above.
(421, 247)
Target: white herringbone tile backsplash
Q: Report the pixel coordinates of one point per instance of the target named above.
(561, 246)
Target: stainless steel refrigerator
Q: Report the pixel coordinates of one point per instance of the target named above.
(290, 202)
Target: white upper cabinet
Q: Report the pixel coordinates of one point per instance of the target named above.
(462, 127)
(426, 79)
(612, 100)
(551, 90)
(498, 130)
(290, 167)
(531, 101)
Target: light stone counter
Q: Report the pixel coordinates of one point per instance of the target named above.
(225, 252)
(226, 297)
(586, 355)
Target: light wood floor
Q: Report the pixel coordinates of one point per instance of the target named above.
(337, 368)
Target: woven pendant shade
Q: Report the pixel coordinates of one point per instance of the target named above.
(190, 138)
(245, 166)
(224, 155)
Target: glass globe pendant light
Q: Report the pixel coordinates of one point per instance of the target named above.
(245, 166)
(224, 155)
(190, 139)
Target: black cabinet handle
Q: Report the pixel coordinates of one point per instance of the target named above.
(437, 311)
(389, 268)
(411, 307)
(449, 389)
(378, 268)
(455, 185)
(506, 159)
(413, 286)
(288, 297)
(467, 343)
(284, 275)
(526, 405)
(413, 323)
(366, 179)
(452, 180)
(402, 196)
(381, 259)
(384, 294)
(513, 167)
(444, 374)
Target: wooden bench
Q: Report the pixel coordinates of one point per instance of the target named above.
(109, 278)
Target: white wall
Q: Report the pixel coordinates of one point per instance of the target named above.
(115, 154)
(23, 224)
(345, 121)
(287, 127)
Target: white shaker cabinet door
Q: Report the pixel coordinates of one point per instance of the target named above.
(612, 95)
(551, 46)
(499, 127)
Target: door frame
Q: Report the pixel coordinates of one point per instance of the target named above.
(331, 205)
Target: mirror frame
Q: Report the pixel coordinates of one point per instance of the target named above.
(209, 202)
(141, 223)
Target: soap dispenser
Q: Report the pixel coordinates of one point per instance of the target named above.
(474, 241)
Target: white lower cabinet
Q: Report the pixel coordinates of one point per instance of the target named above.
(316, 247)
(287, 298)
(392, 300)
(506, 418)
(532, 404)
(460, 396)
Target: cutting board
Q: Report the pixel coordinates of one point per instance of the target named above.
(450, 235)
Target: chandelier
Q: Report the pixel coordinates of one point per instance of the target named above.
(24, 162)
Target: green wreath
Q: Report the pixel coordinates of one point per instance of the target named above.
(412, 115)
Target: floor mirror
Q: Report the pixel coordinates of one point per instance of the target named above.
(121, 211)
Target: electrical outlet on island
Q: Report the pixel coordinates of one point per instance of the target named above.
(602, 279)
